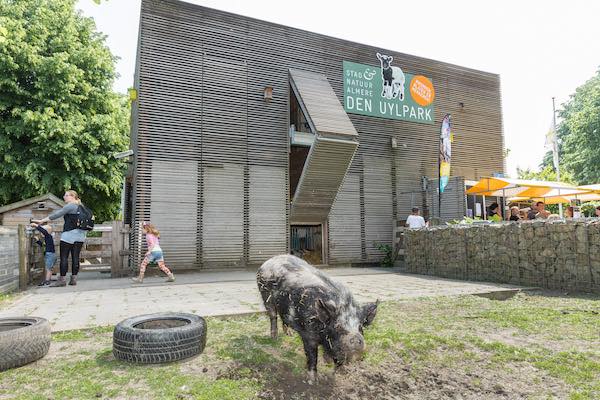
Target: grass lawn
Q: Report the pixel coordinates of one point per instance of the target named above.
(8, 298)
(533, 346)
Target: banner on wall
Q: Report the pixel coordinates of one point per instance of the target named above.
(446, 139)
(387, 91)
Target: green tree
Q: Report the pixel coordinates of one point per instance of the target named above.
(546, 173)
(579, 132)
(60, 121)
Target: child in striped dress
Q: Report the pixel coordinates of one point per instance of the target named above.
(154, 253)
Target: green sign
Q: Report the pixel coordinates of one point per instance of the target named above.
(388, 94)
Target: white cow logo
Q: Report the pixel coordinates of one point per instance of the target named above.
(393, 78)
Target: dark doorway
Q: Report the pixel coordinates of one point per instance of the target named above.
(307, 243)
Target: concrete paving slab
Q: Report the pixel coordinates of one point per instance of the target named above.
(101, 302)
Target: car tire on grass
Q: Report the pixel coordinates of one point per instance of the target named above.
(23, 340)
(159, 338)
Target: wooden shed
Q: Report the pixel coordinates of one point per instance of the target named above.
(21, 212)
(252, 139)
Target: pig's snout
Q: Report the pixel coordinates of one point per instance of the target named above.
(354, 346)
(357, 343)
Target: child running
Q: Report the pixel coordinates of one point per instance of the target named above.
(49, 252)
(154, 253)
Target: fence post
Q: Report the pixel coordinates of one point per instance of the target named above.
(126, 253)
(23, 262)
(115, 257)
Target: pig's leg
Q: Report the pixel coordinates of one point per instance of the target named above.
(273, 317)
(311, 349)
(269, 302)
(286, 330)
(327, 358)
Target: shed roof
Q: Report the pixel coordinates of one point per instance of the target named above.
(32, 200)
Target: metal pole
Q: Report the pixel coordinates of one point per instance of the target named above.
(503, 202)
(483, 208)
(555, 149)
(439, 201)
(440, 178)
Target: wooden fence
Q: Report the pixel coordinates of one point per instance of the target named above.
(106, 249)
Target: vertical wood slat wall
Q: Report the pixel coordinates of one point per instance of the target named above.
(344, 223)
(200, 77)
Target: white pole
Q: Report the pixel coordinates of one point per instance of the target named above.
(555, 149)
(483, 211)
(504, 213)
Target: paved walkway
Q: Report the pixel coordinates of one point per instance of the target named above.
(100, 302)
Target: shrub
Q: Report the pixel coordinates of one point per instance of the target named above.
(388, 259)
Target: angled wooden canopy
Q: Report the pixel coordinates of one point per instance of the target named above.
(331, 153)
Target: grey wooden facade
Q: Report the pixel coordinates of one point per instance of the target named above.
(211, 163)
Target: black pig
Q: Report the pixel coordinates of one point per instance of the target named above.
(322, 311)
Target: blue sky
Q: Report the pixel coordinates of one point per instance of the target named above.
(540, 49)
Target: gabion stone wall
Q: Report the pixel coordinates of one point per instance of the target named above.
(556, 254)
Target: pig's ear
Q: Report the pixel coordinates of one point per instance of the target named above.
(368, 313)
(325, 310)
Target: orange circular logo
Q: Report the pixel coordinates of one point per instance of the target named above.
(421, 90)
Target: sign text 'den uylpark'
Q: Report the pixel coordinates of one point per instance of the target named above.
(387, 92)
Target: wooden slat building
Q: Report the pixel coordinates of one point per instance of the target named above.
(22, 212)
(216, 166)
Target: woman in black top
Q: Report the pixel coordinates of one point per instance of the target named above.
(71, 239)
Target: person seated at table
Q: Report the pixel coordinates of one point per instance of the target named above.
(514, 214)
(542, 212)
(569, 212)
(494, 214)
(532, 211)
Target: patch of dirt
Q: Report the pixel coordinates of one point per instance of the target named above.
(395, 380)
(205, 367)
(283, 383)
(76, 350)
(513, 337)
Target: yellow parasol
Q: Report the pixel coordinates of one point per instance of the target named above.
(522, 188)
